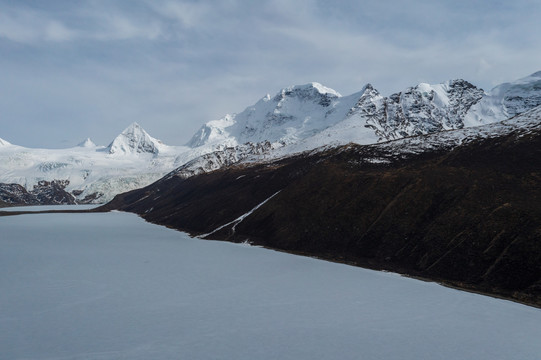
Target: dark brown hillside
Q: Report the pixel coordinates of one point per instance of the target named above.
(470, 217)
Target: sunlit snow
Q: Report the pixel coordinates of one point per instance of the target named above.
(110, 286)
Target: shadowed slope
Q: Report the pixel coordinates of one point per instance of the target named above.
(469, 216)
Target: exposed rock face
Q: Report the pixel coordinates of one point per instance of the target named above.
(465, 212)
(423, 109)
(44, 193)
(52, 192)
(15, 194)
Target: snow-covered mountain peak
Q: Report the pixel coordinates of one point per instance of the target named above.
(536, 76)
(214, 131)
(507, 100)
(134, 139)
(295, 112)
(367, 87)
(525, 84)
(4, 142)
(323, 89)
(87, 143)
(300, 112)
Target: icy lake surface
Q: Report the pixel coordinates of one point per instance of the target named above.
(50, 207)
(110, 286)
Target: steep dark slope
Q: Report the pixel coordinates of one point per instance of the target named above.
(470, 216)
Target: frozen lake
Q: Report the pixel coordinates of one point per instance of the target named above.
(50, 207)
(110, 286)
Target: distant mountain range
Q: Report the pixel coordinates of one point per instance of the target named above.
(296, 119)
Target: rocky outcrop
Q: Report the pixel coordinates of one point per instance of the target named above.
(44, 193)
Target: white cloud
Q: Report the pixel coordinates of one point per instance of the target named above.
(29, 27)
(188, 14)
(56, 31)
(118, 27)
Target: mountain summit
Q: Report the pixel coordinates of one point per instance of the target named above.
(87, 143)
(134, 139)
(318, 115)
(293, 114)
(507, 100)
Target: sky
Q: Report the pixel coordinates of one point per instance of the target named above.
(72, 69)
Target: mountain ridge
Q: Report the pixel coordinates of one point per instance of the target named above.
(420, 109)
(296, 119)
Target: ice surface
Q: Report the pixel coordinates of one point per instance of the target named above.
(110, 286)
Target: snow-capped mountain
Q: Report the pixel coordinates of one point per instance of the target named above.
(295, 113)
(87, 143)
(94, 173)
(134, 139)
(308, 116)
(296, 119)
(302, 113)
(507, 100)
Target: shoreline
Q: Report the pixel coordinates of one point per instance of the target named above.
(369, 264)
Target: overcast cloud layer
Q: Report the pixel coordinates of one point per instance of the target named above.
(73, 69)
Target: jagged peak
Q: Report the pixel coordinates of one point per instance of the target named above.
(368, 86)
(134, 139)
(369, 89)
